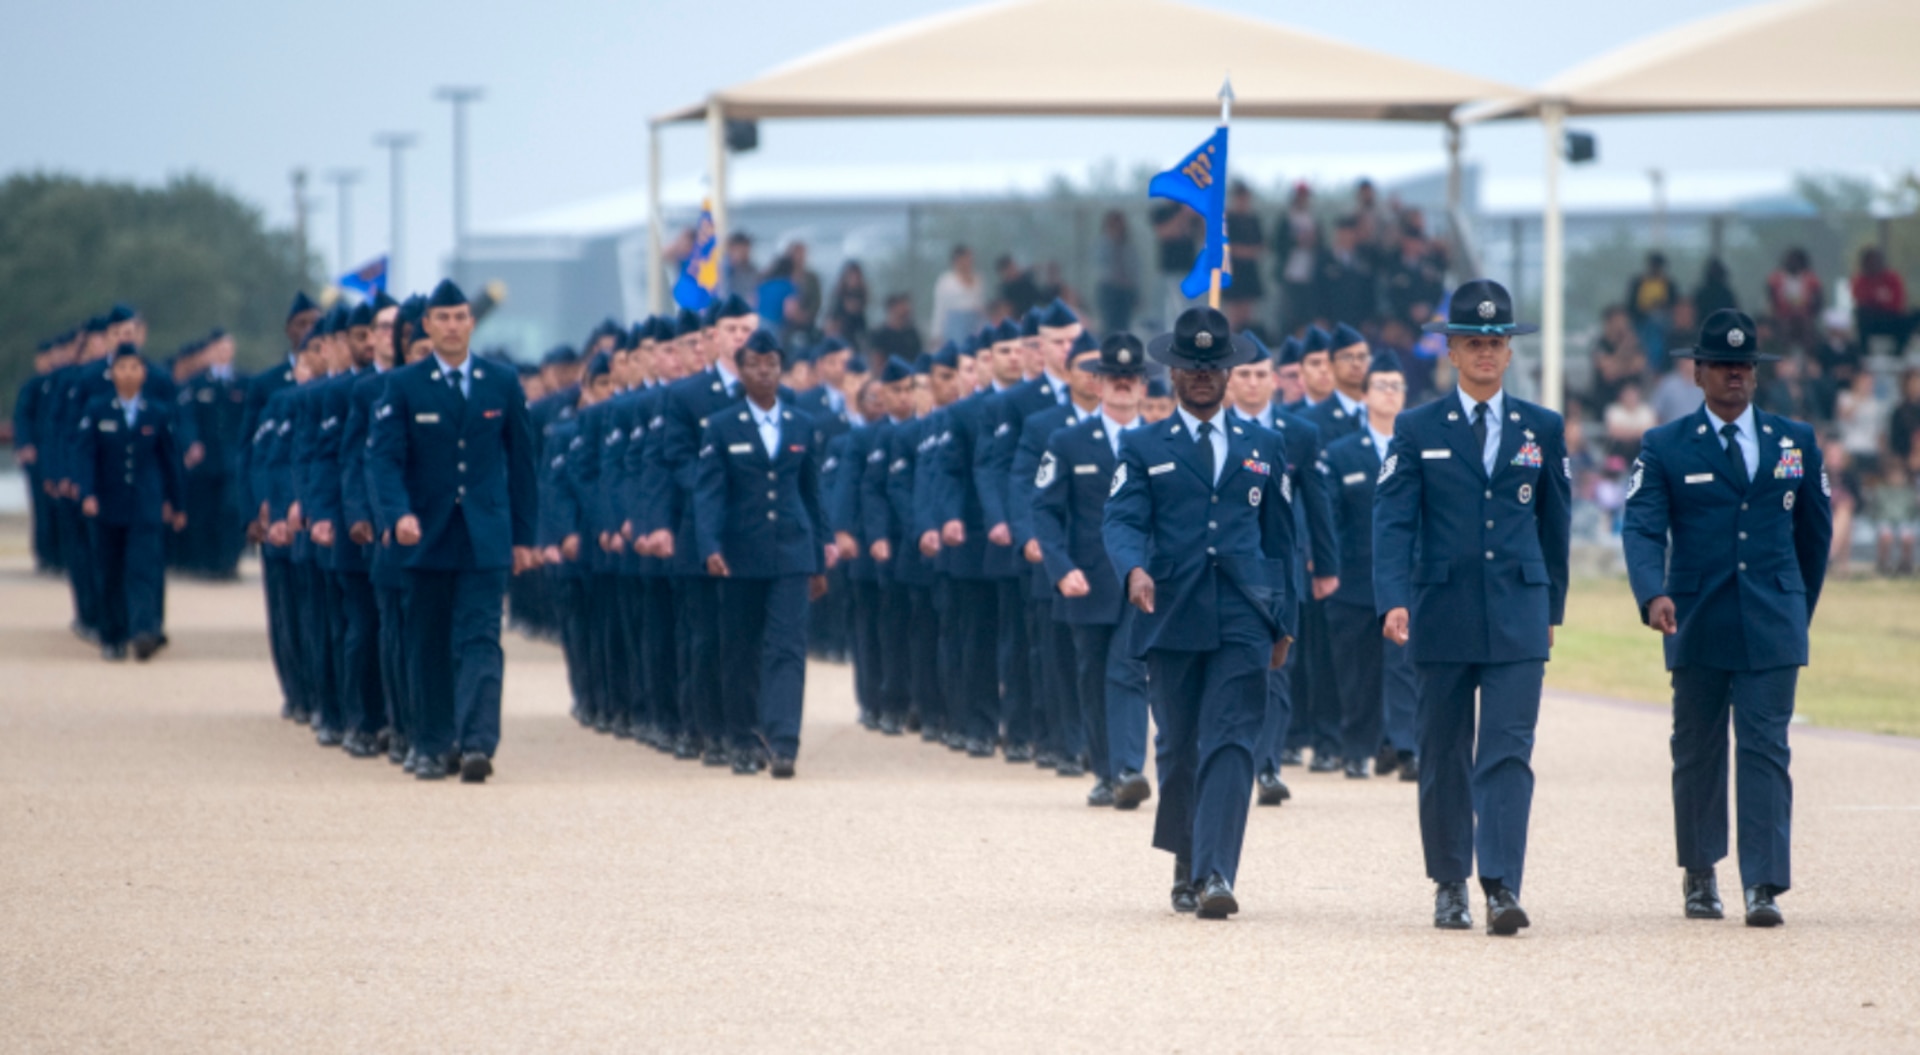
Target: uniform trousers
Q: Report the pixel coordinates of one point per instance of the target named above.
(1354, 634)
(976, 611)
(1488, 779)
(864, 641)
(570, 591)
(1092, 643)
(630, 598)
(1209, 707)
(1761, 703)
(1013, 659)
(81, 576)
(611, 648)
(658, 659)
(1315, 693)
(453, 622)
(396, 680)
(129, 562)
(764, 682)
(700, 610)
(923, 655)
(46, 526)
(325, 628)
(363, 704)
(1276, 729)
(276, 573)
(896, 659)
(1055, 694)
(1126, 700)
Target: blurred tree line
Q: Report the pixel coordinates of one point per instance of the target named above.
(189, 255)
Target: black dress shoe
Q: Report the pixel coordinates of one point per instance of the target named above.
(912, 722)
(744, 764)
(1101, 796)
(359, 745)
(301, 716)
(1019, 753)
(326, 737)
(684, 748)
(430, 767)
(1046, 758)
(1130, 790)
(1273, 790)
(113, 653)
(1505, 917)
(1186, 893)
(889, 725)
(1070, 767)
(1290, 757)
(715, 756)
(978, 748)
(868, 721)
(782, 768)
(1762, 910)
(475, 768)
(145, 645)
(397, 748)
(286, 709)
(931, 733)
(1409, 770)
(1450, 911)
(1326, 763)
(1216, 899)
(1703, 896)
(1357, 769)
(1386, 761)
(411, 762)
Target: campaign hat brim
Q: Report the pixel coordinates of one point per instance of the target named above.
(1161, 350)
(1510, 329)
(1716, 355)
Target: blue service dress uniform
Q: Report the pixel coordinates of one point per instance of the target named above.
(964, 495)
(847, 512)
(1058, 714)
(218, 403)
(761, 510)
(128, 462)
(1743, 562)
(1379, 688)
(1211, 544)
(1479, 557)
(384, 572)
(460, 459)
(1314, 692)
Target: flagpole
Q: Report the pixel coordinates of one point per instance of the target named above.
(1226, 248)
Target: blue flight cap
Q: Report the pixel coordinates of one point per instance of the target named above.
(734, 307)
(1345, 336)
(896, 369)
(923, 364)
(560, 355)
(301, 303)
(412, 309)
(97, 324)
(1290, 352)
(948, 356)
(600, 364)
(361, 315)
(1157, 388)
(856, 363)
(126, 350)
(1030, 323)
(526, 370)
(1057, 315)
(1317, 340)
(1261, 353)
(1385, 363)
(687, 322)
(1086, 342)
(215, 334)
(830, 346)
(446, 295)
(763, 342)
(120, 313)
(1008, 330)
(382, 301)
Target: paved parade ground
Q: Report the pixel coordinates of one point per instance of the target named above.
(181, 870)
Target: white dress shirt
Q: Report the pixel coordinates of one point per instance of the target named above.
(768, 422)
(129, 410)
(466, 380)
(1219, 438)
(1114, 429)
(1496, 405)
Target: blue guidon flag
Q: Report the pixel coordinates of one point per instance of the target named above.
(367, 279)
(1199, 182)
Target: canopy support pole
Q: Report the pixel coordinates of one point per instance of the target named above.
(656, 262)
(1466, 248)
(1553, 117)
(717, 176)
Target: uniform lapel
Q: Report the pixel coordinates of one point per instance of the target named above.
(1186, 450)
(1513, 434)
(1706, 438)
(1460, 438)
(1768, 446)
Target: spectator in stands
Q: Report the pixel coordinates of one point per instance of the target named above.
(1839, 355)
(1903, 425)
(738, 275)
(1399, 337)
(1176, 235)
(847, 318)
(1651, 296)
(959, 298)
(1789, 394)
(775, 287)
(1378, 222)
(1845, 482)
(1246, 241)
(1618, 356)
(1118, 288)
(1880, 301)
(1296, 250)
(1346, 289)
(1796, 299)
(1890, 507)
(1677, 395)
(1628, 418)
(1715, 292)
(806, 282)
(1019, 291)
(897, 336)
(1860, 415)
(1416, 274)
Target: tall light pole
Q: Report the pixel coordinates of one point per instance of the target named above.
(395, 143)
(459, 97)
(299, 179)
(343, 181)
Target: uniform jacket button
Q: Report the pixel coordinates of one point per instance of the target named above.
(1489, 554)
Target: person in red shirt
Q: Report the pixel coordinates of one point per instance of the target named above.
(1880, 301)
(1796, 298)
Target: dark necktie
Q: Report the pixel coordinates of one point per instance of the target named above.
(1205, 432)
(1480, 431)
(453, 382)
(1736, 462)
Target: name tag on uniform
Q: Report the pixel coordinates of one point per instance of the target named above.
(427, 419)
(1442, 453)
(1156, 470)
(1699, 478)
(1354, 478)
(109, 426)
(739, 448)
(1085, 470)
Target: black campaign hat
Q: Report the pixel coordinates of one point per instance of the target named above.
(1482, 306)
(1121, 355)
(1201, 340)
(1728, 336)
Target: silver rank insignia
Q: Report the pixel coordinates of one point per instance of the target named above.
(1639, 477)
(1787, 501)
(1119, 480)
(1387, 467)
(1253, 496)
(1526, 493)
(1044, 477)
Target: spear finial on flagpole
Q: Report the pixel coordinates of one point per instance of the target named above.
(1226, 100)
(1226, 116)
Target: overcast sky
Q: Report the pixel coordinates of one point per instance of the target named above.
(244, 91)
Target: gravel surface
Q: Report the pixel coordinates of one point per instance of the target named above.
(181, 870)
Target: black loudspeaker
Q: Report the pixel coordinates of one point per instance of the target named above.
(1581, 147)
(743, 136)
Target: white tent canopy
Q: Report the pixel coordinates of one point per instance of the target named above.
(1073, 58)
(1786, 55)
